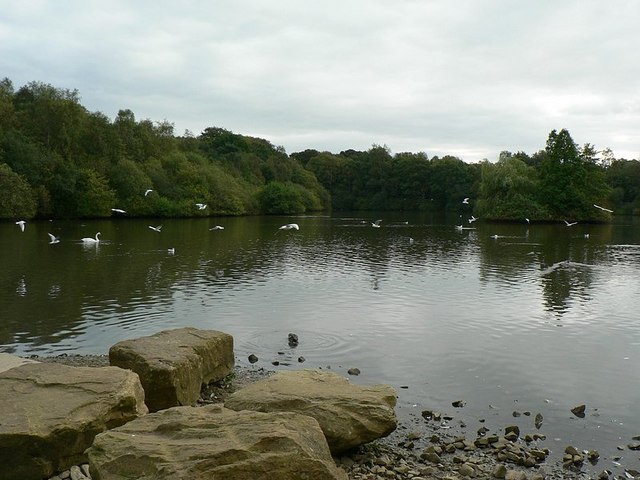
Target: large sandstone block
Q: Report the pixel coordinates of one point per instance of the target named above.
(50, 414)
(213, 442)
(349, 415)
(173, 364)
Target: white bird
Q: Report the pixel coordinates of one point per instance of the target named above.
(118, 210)
(53, 238)
(376, 224)
(217, 227)
(289, 226)
(459, 227)
(472, 219)
(21, 224)
(570, 224)
(201, 206)
(147, 191)
(156, 229)
(92, 240)
(171, 250)
(586, 235)
(602, 208)
(465, 200)
(527, 220)
(495, 237)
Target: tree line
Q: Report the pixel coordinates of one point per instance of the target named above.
(59, 160)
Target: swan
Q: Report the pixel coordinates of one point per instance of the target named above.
(92, 240)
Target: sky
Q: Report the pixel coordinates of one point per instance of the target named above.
(469, 78)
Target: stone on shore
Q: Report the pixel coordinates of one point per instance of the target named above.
(174, 364)
(349, 415)
(214, 442)
(52, 412)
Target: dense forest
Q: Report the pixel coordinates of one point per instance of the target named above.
(58, 160)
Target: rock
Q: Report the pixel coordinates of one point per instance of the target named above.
(52, 412)
(515, 475)
(458, 403)
(499, 471)
(301, 359)
(512, 429)
(252, 358)
(173, 364)
(349, 415)
(353, 371)
(292, 338)
(537, 421)
(579, 410)
(214, 442)
(467, 470)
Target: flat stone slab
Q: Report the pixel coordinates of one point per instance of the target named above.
(349, 415)
(8, 361)
(214, 442)
(174, 364)
(50, 414)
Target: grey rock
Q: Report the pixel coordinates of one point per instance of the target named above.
(174, 364)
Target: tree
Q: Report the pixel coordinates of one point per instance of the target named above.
(508, 190)
(16, 197)
(570, 181)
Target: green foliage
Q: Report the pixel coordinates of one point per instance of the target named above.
(508, 190)
(64, 161)
(281, 198)
(16, 197)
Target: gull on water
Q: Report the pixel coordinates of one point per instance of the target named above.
(156, 229)
(53, 238)
(92, 240)
(21, 224)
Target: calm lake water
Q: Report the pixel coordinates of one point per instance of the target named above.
(539, 319)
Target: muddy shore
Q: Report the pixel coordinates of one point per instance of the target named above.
(419, 448)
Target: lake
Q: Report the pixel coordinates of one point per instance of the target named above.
(506, 317)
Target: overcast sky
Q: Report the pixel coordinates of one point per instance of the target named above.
(462, 77)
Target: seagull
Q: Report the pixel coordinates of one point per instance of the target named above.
(201, 206)
(586, 235)
(472, 219)
(118, 210)
(53, 238)
(171, 250)
(376, 224)
(527, 220)
(570, 224)
(466, 200)
(156, 229)
(217, 227)
(21, 224)
(495, 237)
(459, 227)
(289, 226)
(92, 240)
(602, 208)
(147, 191)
